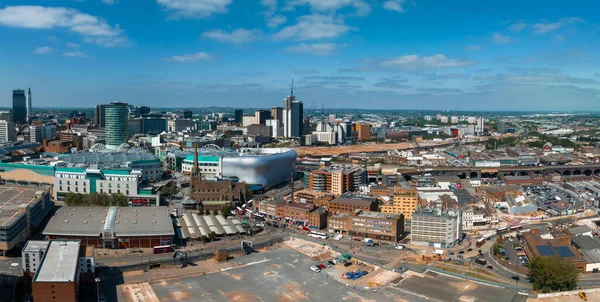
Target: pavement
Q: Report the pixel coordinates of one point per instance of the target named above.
(284, 275)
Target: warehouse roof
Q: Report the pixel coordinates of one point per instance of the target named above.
(124, 221)
(60, 262)
(354, 200)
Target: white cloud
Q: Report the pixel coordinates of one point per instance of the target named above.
(394, 5)
(541, 28)
(73, 45)
(319, 49)
(194, 57)
(195, 8)
(500, 39)
(361, 6)
(76, 54)
(42, 50)
(416, 62)
(313, 27)
(474, 47)
(240, 35)
(110, 2)
(276, 20)
(517, 27)
(94, 29)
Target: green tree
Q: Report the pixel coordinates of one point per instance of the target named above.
(207, 212)
(215, 212)
(212, 235)
(74, 199)
(226, 210)
(553, 274)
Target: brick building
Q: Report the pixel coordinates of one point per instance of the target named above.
(318, 218)
(296, 212)
(57, 278)
(350, 203)
(524, 180)
(374, 225)
(405, 201)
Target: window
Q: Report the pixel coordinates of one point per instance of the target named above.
(76, 189)
(109, 191)
(118, 185)
(60, 188)
(60, 181)
(84, 190)
(68, 182)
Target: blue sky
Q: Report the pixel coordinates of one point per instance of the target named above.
(379, 54)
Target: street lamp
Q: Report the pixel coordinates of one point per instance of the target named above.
(97, 289)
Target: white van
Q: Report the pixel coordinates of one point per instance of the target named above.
(315, 269)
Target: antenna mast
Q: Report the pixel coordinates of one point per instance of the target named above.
(292, 92)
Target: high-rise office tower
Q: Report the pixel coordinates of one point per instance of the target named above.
(7, 131)
(100, 116)
(29, 108)
(239, 113)
(277, 114)
(501, 127)
(19, 107)
(293, 111)
(262, 116)
(116, 124)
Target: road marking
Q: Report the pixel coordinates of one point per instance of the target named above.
(245, 265)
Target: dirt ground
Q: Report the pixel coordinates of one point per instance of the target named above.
(573, 297)
(328, 151)
(315, 252)
(140, 292)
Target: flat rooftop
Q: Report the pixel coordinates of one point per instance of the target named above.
(36, 245)
(378, 215)
(125, 221)
(60, 262)
(14, 201)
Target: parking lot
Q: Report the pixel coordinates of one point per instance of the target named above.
(278, 275)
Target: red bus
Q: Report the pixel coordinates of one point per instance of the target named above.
(480, 242)
(163, 249)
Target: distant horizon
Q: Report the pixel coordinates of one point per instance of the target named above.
(319, 109)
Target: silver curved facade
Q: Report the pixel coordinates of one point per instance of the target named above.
(268, 166)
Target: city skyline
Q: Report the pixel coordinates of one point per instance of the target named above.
(342, 54)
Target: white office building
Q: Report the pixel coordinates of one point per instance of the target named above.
(7, 131)
(39, 133)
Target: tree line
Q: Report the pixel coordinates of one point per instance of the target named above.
(96, 200)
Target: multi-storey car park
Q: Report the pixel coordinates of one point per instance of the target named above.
(22, 210)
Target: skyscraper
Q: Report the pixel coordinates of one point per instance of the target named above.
(100, 116)
(29, 108)
(239, 113)
(19, 107)
(262, 116)
(116, 124)
(293, 111)
(501, 127)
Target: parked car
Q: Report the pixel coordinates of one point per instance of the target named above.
(469, 250)
(461, 252)
(346, 264)
(490, 267)
(322, 266)
(331, 262)
(451, 253)
(515, 278)
(357, 239)
(315, 269)
(399, 247)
